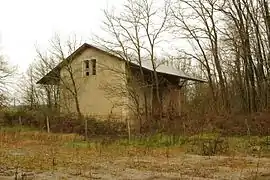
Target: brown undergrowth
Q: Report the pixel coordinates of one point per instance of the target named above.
(33, 151)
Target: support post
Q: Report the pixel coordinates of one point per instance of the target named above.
(48, 124)
(20, 120)
(85, 129)
(128, 128)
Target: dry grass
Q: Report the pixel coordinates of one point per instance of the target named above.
(56, 156)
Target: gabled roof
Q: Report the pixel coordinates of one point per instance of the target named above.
(54, 74)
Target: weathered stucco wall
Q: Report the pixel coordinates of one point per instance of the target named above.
(99, 95)
(115, 91)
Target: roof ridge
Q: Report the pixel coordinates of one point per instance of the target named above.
(161, 68)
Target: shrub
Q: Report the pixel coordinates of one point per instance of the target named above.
(208, 144)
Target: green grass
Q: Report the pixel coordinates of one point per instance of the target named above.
(79, 144)
(194, 144)
(190, 144)
(157, 140)
(16, 129)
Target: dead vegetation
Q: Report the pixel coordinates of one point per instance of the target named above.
(38, 155)
(229, 41)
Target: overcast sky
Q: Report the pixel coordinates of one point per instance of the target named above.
(25, 23)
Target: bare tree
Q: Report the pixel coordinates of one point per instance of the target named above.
(198, 21)
(153, 31)
(53, 60)
(60, 51)
(249, 36)
(31, 94)
(136, 31)
(6, 74)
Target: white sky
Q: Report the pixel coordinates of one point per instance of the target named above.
(25, 23)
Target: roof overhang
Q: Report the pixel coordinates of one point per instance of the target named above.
(53, 76)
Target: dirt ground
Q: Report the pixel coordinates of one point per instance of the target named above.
(147, 168)
(44, 157)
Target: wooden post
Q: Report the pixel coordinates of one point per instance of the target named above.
(20, 120)
(248, 129)
(128, 127)
(85, 129)
(48, 124)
